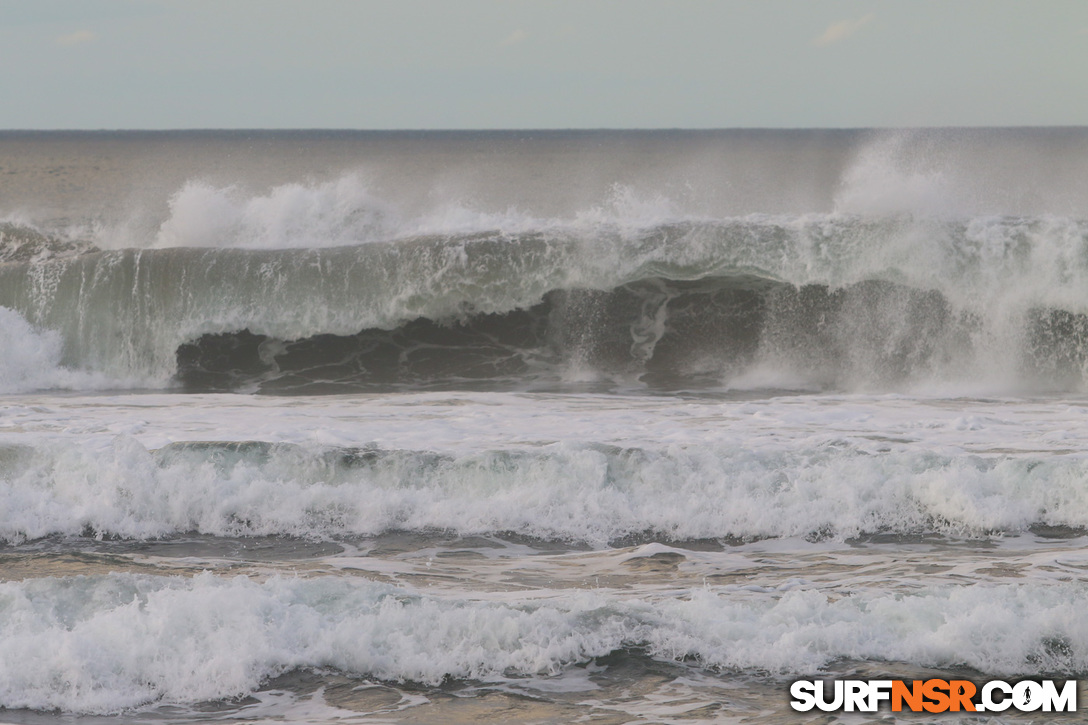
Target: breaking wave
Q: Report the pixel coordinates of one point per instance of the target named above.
(595, 494)
(94, 643)
(31, 360)
(830, 301)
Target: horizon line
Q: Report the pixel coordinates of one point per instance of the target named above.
(555, 129)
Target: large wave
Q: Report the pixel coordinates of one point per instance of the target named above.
(832, 300)
(890, 261)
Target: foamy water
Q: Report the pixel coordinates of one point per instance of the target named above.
(403, 427)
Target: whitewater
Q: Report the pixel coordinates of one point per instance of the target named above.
(536, 426)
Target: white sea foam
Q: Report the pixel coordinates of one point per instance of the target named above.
(308, 215)
(591, 493)
(295, 215)
(105, 643)
(993, 235)
(886, 178)
(301, 260)
(344, 212)
(991, 275)
(30, 359)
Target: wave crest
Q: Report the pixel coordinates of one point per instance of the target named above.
(94, 644)
(839, 301)
(590, 493)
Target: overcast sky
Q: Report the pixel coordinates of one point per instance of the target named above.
(542, 63)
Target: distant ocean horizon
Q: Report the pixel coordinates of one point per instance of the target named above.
(536, 425)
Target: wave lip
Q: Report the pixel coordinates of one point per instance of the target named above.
(331, 214)
(837, 302)
(21, 243)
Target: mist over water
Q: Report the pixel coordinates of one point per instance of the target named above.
(404, 426)
(845, 260)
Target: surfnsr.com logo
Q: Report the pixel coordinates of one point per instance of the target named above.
(934, 695)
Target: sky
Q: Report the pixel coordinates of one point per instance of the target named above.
(483, 64)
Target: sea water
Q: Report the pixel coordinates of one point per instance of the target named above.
(536, 426)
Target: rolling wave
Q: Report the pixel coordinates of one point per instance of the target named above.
(832, 301)
(577, 492)
(89, 643)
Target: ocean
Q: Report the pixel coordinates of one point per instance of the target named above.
(517, 426)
